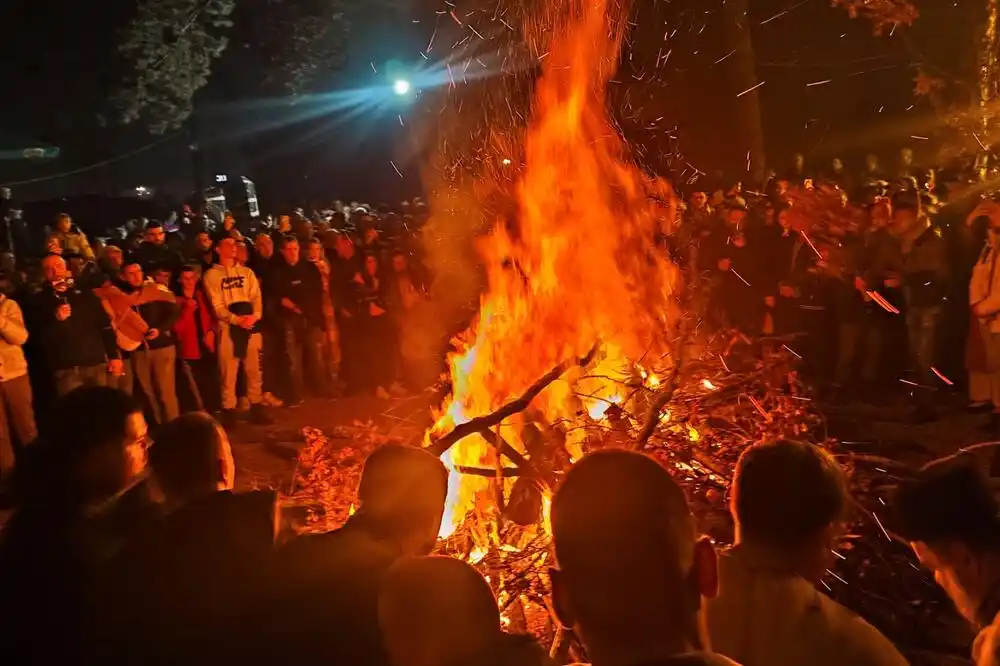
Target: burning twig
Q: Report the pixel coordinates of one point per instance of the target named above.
(481, 424)
(665, 396)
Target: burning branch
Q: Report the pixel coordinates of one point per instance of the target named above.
(482, 424)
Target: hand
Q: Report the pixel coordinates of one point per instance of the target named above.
(725, 264)
(769, 301)
(357, 278)
(209, 341)
(152, 334)
(115, 367)
(860, 285)
(979, 310)
(289, 304)
(63, 312)
(786, 291)
(375, 310)
(245, 322)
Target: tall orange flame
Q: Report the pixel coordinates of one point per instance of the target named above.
(577, 266)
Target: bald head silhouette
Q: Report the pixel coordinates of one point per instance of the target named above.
(632, 571)
(437, 610)
(402, 494)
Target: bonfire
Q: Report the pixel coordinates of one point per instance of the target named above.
(590, 336)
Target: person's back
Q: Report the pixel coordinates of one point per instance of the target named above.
(179, 583)
(766, 617)
(767, 612)
(320, 599)
(440, 610)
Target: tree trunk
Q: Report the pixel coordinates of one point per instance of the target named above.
(744, 68)
(989, 67)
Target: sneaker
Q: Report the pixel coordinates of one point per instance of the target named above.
(271, 400)
(259, 415)
(243, 405)
(382, 394)
(228, 418)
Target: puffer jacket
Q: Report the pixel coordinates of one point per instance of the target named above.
(13, 334)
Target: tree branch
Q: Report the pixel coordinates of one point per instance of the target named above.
(481, 424)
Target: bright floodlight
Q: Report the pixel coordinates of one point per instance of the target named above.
(401, 87)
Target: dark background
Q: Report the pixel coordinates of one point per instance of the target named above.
(58, 68)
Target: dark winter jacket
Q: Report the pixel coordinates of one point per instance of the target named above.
(84, 339)
(926, 271)
(303, 285)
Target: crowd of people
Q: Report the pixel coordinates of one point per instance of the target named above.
(127, 549)
(190, 316)
(875, 281)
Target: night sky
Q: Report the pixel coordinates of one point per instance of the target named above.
(831, 88)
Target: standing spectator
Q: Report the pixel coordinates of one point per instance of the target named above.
(632, 574)
(17, 416)
(345, 267)
(236, 298)
(906, 167)
(380, 347)
(202, 254)
(154, 252)
(263, 263)
(195, 331)
(331, 343)
(111, 262)
(154, 361)
(283, 228)
(298, 287)
(73, 331)
(768, 612)
(872, 172)
(69, 238)
(951, 518)
(406, 301)
(925, 274)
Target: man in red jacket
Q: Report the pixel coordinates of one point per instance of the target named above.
(195, 333)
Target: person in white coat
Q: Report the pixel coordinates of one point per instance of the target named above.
(788, 499)
(236, 298)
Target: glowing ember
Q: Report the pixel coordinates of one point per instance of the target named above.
(577, 266)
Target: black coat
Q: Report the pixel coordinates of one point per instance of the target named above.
(303, 285)
(85, 339)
